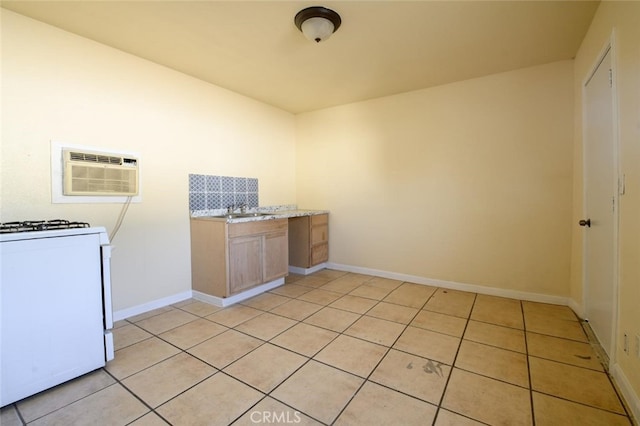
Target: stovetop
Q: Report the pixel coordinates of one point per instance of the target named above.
(40, 225)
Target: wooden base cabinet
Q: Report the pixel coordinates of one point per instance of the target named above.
(227, 259)
(308, 240)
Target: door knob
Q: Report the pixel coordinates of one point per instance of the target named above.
(586, 223)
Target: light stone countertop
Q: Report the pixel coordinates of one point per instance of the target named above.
(268, 213)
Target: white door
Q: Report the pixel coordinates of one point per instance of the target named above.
(600, 204)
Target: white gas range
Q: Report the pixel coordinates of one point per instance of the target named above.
(55, 301)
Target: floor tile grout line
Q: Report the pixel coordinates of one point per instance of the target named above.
(466, 416)
(388, 348)
(526, 348)
(217, 370)
(18, 413)
(52, 389)
(452, 366)
(531, 389)
(220, 370)
(488, 377)
(264, 342)
(265, 309)
(269, 394)
(568, 364)
(116, 382)
(586, 328)
(151, 409)
(309, 358)
(620, 398)
(161, 310)
(558, 337)
(528, 331)
(264, 394)
(580, 403)
(247, 410)
(405, 327)
(453, 362)
(494, 346)
(191, 347)
(182, 351)
(135, 343)
(367, 379)
(148, 366)
(361, 314)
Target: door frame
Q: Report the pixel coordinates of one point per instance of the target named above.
(609, 47)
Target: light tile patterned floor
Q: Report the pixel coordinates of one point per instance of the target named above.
(345, 349)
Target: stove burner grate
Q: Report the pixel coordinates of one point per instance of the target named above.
(40, 225)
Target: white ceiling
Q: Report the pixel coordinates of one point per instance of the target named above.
(382, 47)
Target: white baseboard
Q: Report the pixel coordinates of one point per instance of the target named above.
(150, 306)
(217, 301)
(222, 302)
(577, 308)
(228, 301)
(628, 393)
(452, 285)
(307, 271)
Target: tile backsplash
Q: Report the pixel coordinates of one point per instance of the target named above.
(219, 192)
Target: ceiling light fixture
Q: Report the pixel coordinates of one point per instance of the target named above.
(317, 23)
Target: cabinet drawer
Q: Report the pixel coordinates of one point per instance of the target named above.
(319, 219)
(319, 234)
(319, 254)
(257, 227)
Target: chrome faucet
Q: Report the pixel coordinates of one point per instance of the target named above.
(232, 208)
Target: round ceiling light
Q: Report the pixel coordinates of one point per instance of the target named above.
(317, 23)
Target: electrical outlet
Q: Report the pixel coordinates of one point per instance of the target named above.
(625, 344)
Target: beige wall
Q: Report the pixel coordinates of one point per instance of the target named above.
(469, 182)
(624, 19)
(57, 86)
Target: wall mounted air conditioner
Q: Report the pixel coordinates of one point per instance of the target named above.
(95, 173)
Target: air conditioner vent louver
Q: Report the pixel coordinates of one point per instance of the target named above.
(92, 173)
(94, 158)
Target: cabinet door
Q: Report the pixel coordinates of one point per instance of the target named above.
(245, 263)
(319, 254)
(276, 255)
